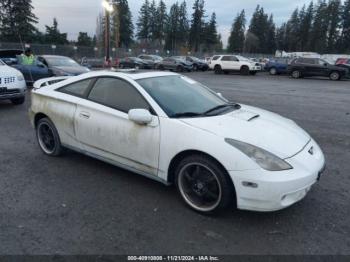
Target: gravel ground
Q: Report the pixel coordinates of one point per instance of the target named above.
(78, 205)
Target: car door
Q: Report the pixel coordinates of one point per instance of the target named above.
(33, 72)
(322, 67)
(235, 64)
(104, 129)
(226, 62)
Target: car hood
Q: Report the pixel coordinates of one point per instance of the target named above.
(257, 127)
(6, 71)
(72, 69)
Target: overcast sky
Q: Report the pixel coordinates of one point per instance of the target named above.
(80, 15)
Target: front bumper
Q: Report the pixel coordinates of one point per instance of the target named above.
(16, 90)
(261, 190)
(256, 68)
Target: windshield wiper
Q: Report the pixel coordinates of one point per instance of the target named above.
(186, 114)
(236, 106)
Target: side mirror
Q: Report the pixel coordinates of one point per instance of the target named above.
(220, 95)
(325, 64)
(140, 116)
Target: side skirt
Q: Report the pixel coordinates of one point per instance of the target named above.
(117, 164)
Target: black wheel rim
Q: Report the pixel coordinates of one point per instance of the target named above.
(200, 187)
(46, 138)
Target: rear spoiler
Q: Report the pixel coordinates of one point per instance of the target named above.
(49, 81)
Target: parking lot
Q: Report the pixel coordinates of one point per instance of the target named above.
(78, 205)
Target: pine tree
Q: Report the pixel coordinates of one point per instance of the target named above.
(281, 37)
(153, 21)
(334, 20)
(237, 38)
(197, 25)
(143, 24)
(318, 34)
(17, 21)
(172, 28)
(161, 22)
(259, 26)
(294, 26)
(126, 28)
(183, 23)
(54, 36)
(211, 34)
(305, 18)
(84, 39)
(271, 36)
(345, 28)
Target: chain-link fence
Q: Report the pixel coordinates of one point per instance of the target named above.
(98, 53)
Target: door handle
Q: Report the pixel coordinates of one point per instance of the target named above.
(84, 115)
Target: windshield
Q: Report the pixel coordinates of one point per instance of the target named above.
(61, 61)
(178, 95)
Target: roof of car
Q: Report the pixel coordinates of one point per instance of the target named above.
(132, 74)
(53, 56)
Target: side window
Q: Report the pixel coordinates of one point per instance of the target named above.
(215, 58)
(117, 94)
(77, 89)
(226, 58)
(235, 59)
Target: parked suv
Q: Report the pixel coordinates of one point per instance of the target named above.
(301, 67)
(228, 63)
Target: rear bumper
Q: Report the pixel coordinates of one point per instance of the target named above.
(261, 190)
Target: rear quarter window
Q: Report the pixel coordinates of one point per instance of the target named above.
(78, 88)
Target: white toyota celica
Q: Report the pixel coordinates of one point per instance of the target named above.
(173, 129)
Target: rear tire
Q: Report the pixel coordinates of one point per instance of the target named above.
(335, 76)
(296, 74)
(244, 70)
(218, 69)
(18, 101)
(203, 184)
(48, 138)
(273, 71)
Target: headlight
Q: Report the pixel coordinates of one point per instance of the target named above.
(264, 159)
(20, 78)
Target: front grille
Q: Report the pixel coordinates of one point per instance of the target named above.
(9, 92)
(7, 80)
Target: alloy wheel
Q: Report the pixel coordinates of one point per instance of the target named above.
(200, 187)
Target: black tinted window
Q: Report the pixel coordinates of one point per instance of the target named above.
(227, 58)
(77, 89)
(215, 58)
(117, 94)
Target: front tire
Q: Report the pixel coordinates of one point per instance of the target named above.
(244, 70)
(335, 76)
(48, 138)
(18, 101)
(203, 184)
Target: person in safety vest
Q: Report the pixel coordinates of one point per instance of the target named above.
(28, 58)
